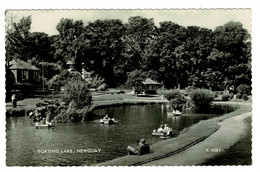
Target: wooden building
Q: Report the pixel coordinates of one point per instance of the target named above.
(148, 86)
(27, 77)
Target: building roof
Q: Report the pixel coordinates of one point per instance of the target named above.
(149, 81)
(20, 64)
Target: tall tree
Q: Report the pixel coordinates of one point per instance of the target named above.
(70, 43)
(16, 42)
(104, 48)
(140, 33)
(233, 41)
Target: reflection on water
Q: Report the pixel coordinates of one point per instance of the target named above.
(26, 145)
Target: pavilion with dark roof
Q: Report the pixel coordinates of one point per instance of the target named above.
(149, 86)
(27, 78)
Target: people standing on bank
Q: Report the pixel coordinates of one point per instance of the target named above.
(14, 101)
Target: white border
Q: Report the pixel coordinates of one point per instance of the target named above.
(140, 4)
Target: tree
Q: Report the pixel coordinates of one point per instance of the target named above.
(135, 78)
(40, 47)
(70, 43)
(170, 36)
(234, 41)
(104, 48)
(78, 92)
(140, 34)
(201, 99)
(16, 42)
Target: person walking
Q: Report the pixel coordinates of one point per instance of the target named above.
(14, 101)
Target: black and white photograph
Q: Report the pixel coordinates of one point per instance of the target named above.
(128, 87)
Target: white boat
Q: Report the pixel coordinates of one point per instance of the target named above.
(108, 121)
(39, 125)
(175, 113)
(162, 134)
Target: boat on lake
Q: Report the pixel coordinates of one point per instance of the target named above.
(174, 113)
(107, 121)
(43, 125)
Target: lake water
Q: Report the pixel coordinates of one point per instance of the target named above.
(89, 142)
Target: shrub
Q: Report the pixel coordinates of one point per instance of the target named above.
(245, 97)
(201, 98)
(60, 80)
(72, 114)
(171, 94)
(225, 97)
(244, 89)
(178, 103)
(96, 82)
(78, 92)
(238, 95)
(176, 98)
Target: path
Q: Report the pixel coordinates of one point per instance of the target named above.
(228, 134)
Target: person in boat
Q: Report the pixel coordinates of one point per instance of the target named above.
(142, 148)
(106, 118)
(161, 129)
(167, 130)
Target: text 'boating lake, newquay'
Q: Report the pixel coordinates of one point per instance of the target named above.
(44, 151)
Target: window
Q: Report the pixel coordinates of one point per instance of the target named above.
(24, 75)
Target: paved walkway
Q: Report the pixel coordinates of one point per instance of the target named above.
(228, 134)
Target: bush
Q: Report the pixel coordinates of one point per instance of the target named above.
(178, 103)
(245, 97)
(72, 114)
(176, 98)
(244, 89)
(238, 95)
(60, 80)
(78, 92)
(225, 97)
(201, 98)
(171, 94)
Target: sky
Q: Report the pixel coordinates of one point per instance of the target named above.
(46, 20)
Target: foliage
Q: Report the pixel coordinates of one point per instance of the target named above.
(225, 97)
(50, 69)
(178, 103)
(96, 82)
(176, 98)
(201, 98)
(135, 78)
(17, 34)
(245, 97)
(239, 96)
(72, 114)
(171, 94)
(244, 89)
(172, 54)
(78, 92)
(61, 79)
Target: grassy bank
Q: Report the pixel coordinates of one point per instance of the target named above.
(239, 154)
(189, 137)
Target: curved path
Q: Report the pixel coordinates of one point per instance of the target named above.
(228, 134)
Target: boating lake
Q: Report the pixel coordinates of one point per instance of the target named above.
(89, 142)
